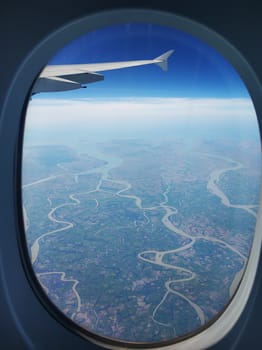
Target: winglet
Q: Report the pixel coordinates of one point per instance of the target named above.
(161, 60)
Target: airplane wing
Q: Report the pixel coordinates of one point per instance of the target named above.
(73, 76)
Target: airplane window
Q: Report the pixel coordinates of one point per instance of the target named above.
(140, 183)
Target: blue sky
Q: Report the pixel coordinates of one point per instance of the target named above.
(195, 69)
(200, 91)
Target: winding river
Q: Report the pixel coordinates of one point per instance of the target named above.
(156, 257)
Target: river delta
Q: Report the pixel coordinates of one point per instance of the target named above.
(141, 241)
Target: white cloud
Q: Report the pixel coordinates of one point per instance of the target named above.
(59, 113)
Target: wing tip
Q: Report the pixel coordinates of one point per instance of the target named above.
(162, 60)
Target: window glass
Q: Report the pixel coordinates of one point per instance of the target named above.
(141, 190)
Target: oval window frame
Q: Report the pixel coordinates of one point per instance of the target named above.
(225, 322)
